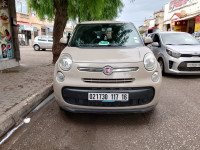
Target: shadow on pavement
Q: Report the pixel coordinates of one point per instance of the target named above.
(182, 76)
(108, 119)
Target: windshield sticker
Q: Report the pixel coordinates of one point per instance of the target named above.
(104, 43)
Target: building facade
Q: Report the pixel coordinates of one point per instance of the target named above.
(9, 48)
(30, 25)
(159, 19)
(182, 15)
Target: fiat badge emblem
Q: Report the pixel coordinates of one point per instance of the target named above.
(107, 70)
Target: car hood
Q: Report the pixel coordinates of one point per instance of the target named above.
(107, 55)
(185, 48)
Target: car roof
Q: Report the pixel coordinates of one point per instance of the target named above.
(103, 22)
(170, 32)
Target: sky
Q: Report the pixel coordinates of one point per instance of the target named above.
(138, 10)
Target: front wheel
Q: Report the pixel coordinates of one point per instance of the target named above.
(162, 67)
(36, 47)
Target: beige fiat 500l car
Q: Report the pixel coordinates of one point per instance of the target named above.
(106, 68)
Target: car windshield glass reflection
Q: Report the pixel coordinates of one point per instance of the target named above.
(105, 35)
(179, 39)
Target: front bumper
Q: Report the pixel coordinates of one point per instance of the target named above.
(108, 111)
(79, 96)
(140, 87)
(179, 66)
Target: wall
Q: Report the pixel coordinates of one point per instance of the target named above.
(10, 55)
(159, 19)
(191, 8)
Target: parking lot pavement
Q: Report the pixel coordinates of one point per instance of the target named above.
(175, 124)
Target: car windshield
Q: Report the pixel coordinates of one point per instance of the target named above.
(105, 35)
(178, 39)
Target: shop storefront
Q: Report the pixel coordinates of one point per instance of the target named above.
(182, 15)
(180, 26)
(197, 23)
(9, 51)
(25, 33)
(6, 48)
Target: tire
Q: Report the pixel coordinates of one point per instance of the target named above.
(162, 66)
(36, 47)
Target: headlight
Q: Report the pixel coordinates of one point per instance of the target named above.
(65, 62)
(173, 53)
(150, 62)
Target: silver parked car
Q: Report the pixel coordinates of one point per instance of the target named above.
(43, 42)
(177, 52)
(197, 35)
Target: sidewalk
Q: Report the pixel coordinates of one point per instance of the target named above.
(21, 89)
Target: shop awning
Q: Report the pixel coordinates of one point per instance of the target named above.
(49, 27)
(152, 28)
(26, 26)
(23, 23)
(188, 17)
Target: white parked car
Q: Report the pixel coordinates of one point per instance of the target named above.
(43, 42)
(106, 68)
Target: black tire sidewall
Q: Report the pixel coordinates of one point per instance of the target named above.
(161, 62)
(38, 46)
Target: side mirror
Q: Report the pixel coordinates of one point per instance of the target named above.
(155, 44)
(148, 40)
(63, 40)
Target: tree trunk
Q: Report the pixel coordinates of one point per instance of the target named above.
(59, 26)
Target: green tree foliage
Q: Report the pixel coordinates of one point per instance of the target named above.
(62, 10)
(141, 32)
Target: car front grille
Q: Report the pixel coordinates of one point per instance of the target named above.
(190, 55)
(183, 66)
(170, 64)
(94, 80)
(79, 96)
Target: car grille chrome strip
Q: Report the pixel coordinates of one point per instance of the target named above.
(91, 69)
(113, 70)
(125, 69)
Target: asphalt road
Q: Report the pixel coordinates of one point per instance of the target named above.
(175, 123)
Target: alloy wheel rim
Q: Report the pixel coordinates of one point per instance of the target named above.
(36, 47)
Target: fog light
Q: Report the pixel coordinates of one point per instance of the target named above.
(60, 76)
(155, 77)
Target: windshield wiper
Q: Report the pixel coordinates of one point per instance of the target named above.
(100, 45)
(116, 45)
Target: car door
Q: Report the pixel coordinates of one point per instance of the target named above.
(50, 42)
(157, 50)
(42, 41)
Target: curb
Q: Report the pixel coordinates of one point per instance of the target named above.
(11, 117)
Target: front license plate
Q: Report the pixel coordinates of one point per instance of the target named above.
(193, 64)
(108, 97)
